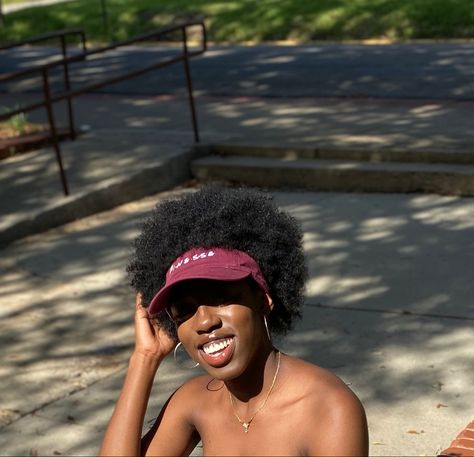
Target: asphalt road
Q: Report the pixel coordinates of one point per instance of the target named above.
(414, 71)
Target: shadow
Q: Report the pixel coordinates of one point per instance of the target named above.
(262, 21)
(387, 275)
(388, 301)
(435, 71)
(331, 20)
(128, 133)
(344, 123)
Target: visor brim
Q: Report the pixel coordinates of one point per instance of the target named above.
(160, 300)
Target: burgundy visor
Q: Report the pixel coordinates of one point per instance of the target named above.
(215, 263)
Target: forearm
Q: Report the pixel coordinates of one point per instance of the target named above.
(123, 434)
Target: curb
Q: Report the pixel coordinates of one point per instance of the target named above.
(109, 194)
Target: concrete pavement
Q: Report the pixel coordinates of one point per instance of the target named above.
(389, 299)
(389, 309)
(138, 145)
(441, 71)
(407, 97)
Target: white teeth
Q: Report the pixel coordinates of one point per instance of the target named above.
(210, 348)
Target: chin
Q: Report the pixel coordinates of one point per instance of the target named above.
(225, 373)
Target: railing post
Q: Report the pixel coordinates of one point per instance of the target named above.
(52, 128)
(189, 83)
(83, 38)
(72, 129)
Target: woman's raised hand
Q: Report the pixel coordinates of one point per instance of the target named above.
(152, 345)
(150, 339)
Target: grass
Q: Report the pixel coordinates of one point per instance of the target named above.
(256, 20)
(17, 125)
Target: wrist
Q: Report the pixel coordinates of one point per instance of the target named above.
(145, 360)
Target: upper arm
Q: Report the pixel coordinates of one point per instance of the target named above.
(172, 433)
(343, 428)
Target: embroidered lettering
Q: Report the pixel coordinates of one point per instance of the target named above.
(202, 255)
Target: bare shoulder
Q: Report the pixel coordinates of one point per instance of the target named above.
(320, 385)
(196, 398)
(335, 417)
(195, 390)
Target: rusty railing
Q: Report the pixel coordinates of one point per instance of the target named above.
(61, 35)
(69, 94)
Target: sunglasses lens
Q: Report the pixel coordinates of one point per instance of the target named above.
(179, 312)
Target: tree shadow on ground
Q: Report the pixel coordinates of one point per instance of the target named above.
(388, 306)
(385, 271)
(416, 71)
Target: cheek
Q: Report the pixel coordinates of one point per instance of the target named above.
(183, 333)
(246, 322)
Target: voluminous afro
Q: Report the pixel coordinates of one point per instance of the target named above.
(215, 216)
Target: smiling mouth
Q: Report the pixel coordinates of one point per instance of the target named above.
(218, 353)
(215, 347)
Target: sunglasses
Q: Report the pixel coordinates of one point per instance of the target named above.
(182, 308)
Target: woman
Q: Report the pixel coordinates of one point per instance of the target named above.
(219, 271)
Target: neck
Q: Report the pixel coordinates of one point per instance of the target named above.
(257, 379)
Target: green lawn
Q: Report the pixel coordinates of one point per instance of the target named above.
(257, 20)
(10, 2)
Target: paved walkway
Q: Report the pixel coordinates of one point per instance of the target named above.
(389, 309)
(441, 71)
(389, 302)
(132, 137)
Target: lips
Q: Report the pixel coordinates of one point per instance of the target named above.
(218, 352)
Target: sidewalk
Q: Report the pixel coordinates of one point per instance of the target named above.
(389, 298)
(389, 309)
(146, 138)
(148, 141)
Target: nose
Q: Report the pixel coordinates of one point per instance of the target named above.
(206, 319)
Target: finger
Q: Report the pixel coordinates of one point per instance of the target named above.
(141, 312)
(138, 300)
(140, 309)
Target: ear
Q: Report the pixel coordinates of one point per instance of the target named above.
(268, 305)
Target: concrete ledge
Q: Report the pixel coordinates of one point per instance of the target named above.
(106, 195)
(363, 154)
(351, 176)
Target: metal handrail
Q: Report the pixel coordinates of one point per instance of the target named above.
(61, 34)
(49, 99)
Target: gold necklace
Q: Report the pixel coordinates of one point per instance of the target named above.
(246, 424)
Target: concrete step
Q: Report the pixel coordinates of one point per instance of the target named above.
(368, 155)
(337, 175)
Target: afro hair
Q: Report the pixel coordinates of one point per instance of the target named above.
(232, 218)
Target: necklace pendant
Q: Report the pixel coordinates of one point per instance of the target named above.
(246, 426)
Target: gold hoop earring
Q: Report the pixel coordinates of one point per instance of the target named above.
(266, 327)
(180, 362)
